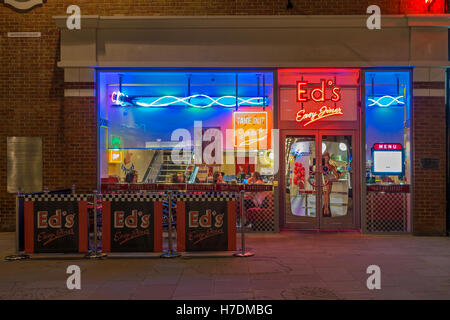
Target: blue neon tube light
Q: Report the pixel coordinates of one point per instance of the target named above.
(195, 101)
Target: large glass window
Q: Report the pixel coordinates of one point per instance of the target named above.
(388, 149)
(145, 115)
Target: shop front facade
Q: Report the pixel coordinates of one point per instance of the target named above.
(349, 131)
(346, 151)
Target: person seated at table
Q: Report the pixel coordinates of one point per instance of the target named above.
(255, 178)
(258, 199)
(178, 178)
(131, 177)
(217, 177)
(241, 175)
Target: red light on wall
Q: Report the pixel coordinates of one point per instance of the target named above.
(423, 6)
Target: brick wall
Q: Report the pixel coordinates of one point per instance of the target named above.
(429, 185)
(32, 86)
(80, 137)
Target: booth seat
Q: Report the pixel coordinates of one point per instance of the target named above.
(262, 212)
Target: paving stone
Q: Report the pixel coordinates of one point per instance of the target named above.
(154, 292)
(289, 265)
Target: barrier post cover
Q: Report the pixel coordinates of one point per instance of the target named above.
(55, 223)
(132, 223)
(206, 222)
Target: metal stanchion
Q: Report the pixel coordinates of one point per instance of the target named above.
(170, 253)
(243, 253)
(95, 254)
(18, 255)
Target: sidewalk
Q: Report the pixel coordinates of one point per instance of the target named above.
(290, 265)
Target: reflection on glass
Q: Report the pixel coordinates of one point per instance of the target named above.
(178, 166)
(336, 176)
(300, 175)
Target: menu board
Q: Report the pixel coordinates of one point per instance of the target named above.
(388, 159)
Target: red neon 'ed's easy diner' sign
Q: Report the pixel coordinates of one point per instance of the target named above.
(318, 94)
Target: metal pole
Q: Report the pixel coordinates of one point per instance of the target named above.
(242, 222)
(264, 92)
(243, 253)
(170, 222)
(237, 92)
(17, 221)
(95, 222)
(95, 254)
(17, 255)
(170, 253)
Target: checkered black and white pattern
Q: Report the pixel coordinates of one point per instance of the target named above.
(133, 197)
(259, 209)
(206, 196)
(387, 212)
(56, 197)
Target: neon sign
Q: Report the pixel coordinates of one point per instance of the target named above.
(315, 116)
(318, 95)
(195, 101)
(386, 101)
(118, 98)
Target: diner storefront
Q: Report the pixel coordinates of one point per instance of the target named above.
(340, 132)
(332, 131)
(346, 138)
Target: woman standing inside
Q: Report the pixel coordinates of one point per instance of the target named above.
(329, 174)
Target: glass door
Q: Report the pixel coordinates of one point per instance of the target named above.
(301, 205)
(319, 180)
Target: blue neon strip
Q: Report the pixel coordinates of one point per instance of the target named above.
(195, 101)
(386, 101)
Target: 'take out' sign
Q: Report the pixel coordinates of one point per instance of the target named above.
(250, 129)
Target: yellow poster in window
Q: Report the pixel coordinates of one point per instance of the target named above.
(250, 129)
(115, 156)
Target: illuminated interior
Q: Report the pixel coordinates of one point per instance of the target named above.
(388, 123)
(142, 113)
(319, 99)
(388, 149)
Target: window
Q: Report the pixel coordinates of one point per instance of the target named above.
(388, 149)
(147, 117)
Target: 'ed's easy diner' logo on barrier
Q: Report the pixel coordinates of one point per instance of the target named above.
(130, 227)
(325, 94)
(57, 226)
(131, 221)
(206, 220)
(204, 226)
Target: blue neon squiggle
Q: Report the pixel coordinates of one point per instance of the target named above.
(120, 99)
(392, 100)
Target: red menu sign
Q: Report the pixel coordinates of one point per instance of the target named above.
(387, 146)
